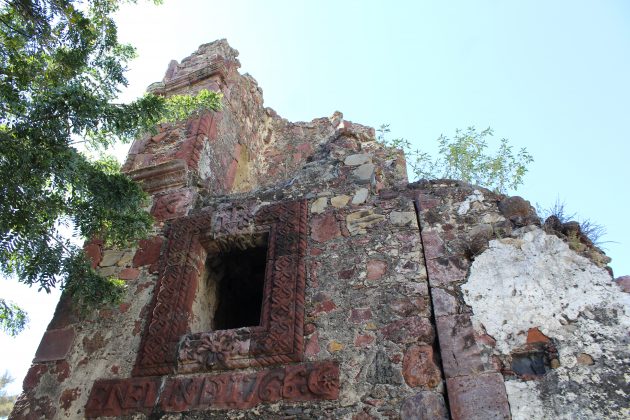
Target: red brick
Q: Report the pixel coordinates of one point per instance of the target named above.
(535, 336)
(55, 345)
(478, 397)
(94, 252)
(324, 227)
(62, 369)
(419, 368)
(33, 376)
(92, 345)
(376, 269)
(68, 396)
(148, 253)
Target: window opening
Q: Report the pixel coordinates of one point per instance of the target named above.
(230, 294)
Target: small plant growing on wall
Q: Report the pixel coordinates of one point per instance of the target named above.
(466, 157)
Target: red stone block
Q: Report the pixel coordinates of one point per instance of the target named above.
(312, 345)
(118, 397)
(230, 174)
(376, 269)
(323, 307)
(148, 253)
(535, 336)
(445, 303)
(129, 274)
(173, 205)
(359, 315)
(309, 328)
(34, 374)
(363, 340)
(414, 329)
(324, 227)
(425, 405)
(461, 354)
(445, 271)
(94, 252)
(68, 396)
(62, 369)
(55, 345)
(432, 244)
(419, 368)
(303, 382)
(427, 201)
(478, 397)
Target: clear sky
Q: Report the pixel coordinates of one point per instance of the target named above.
(549, 76)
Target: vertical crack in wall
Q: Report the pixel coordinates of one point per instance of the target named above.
(436, 342)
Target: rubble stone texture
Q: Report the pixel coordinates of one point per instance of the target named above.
(376, 298)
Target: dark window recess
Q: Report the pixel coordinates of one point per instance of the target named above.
(238, 271)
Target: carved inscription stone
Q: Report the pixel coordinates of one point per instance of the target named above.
(118, 397)
(303, 382)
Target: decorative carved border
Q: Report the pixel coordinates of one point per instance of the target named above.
(167, 345)
(301, 382)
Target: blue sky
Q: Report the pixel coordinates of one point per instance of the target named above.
(549, 76)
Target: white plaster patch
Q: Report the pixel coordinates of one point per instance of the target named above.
(524, 400)
(465, 205)
(536, 280)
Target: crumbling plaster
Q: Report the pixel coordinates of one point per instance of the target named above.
(534, 280)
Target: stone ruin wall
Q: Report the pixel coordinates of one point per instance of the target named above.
(382, 299)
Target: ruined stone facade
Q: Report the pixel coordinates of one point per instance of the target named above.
(293, 272)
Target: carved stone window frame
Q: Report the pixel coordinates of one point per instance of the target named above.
(167, 346)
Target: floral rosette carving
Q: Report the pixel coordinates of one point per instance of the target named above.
(324, 381)
(213, 350)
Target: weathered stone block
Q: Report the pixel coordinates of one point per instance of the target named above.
(55, 345)
(425, 405)
(461, 354)
(324, 227)
(173, 205)
(419, 368)
(478, 397)
(357, 159)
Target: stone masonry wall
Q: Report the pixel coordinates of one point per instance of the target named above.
(530, 322)
(381, 299)
(363, 335)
